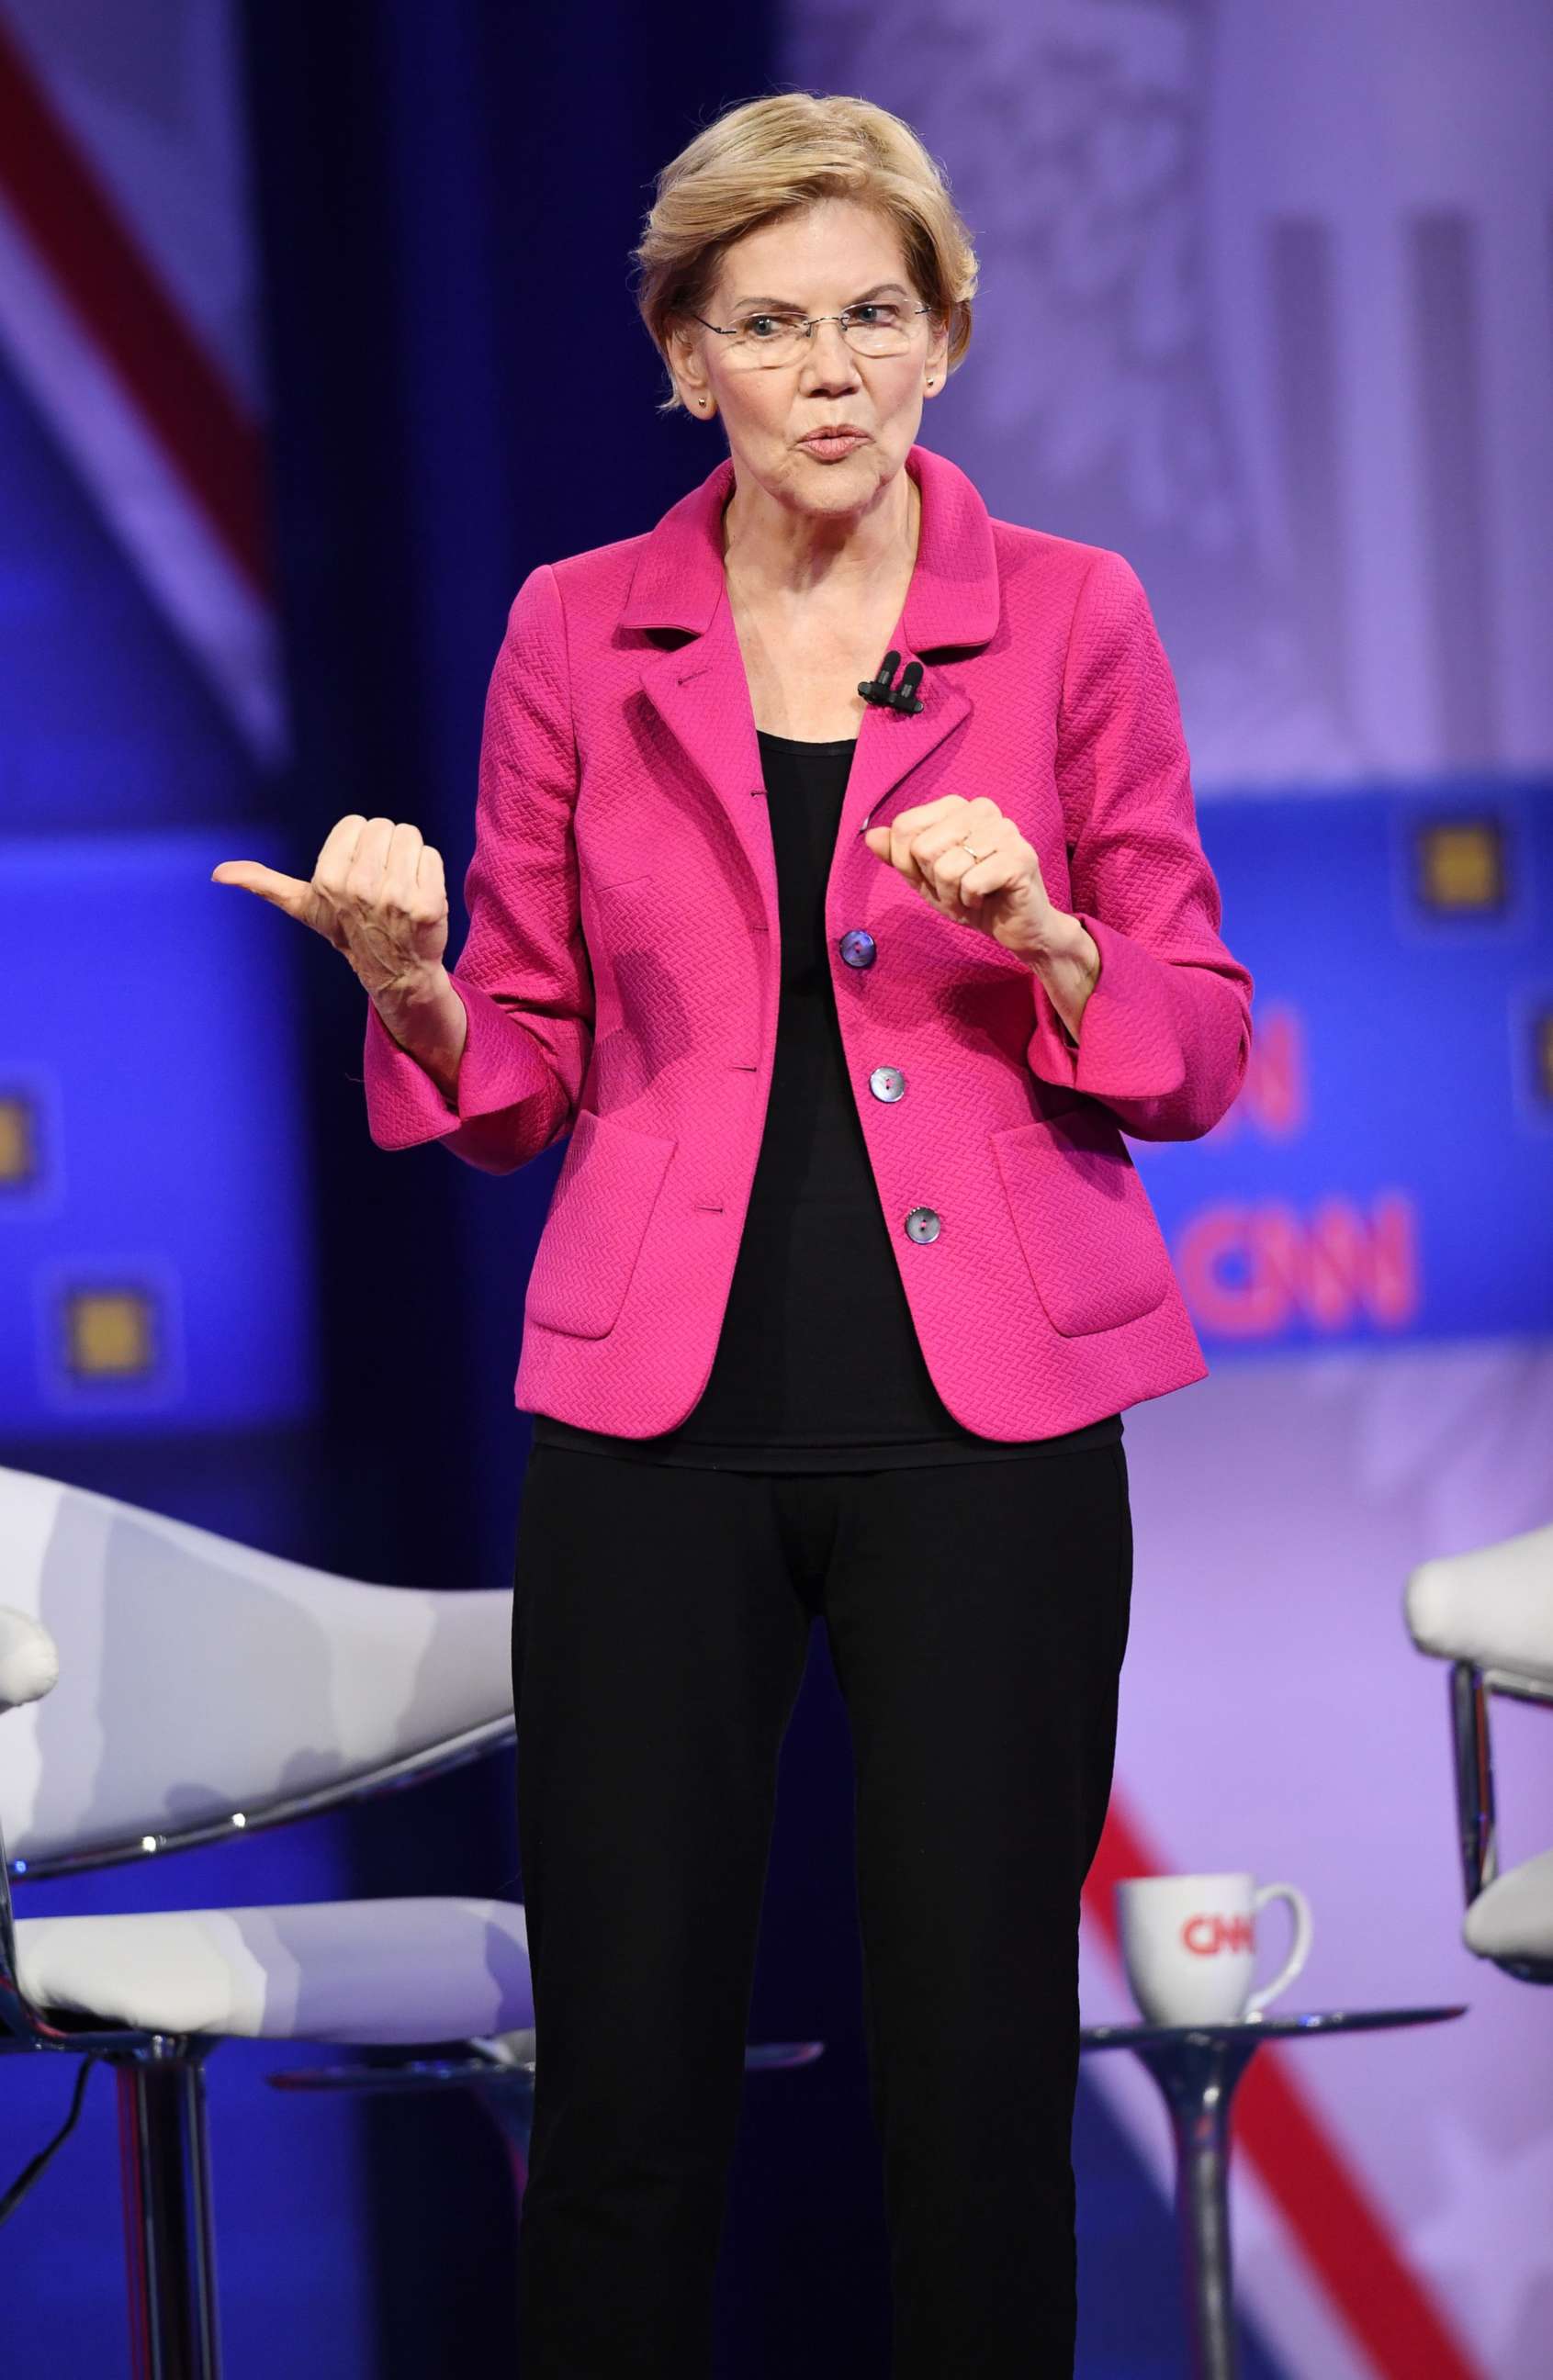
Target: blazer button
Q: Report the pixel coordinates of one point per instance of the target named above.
(858, 948)
(886, 1083)
(922, 1223)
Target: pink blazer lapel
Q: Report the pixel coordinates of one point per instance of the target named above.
(699, 690)
(701, 694)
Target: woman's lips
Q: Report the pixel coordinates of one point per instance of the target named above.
(831, 449)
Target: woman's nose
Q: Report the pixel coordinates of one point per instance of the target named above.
(830, 362)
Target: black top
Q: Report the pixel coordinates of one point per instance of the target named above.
(818, 1366)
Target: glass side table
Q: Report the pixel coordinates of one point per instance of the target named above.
(1197, 2067)
(501, 2075)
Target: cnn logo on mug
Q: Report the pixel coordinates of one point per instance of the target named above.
(1189, 1945)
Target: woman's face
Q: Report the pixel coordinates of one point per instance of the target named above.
(829, 255)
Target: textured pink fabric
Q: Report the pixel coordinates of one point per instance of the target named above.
(621, 972)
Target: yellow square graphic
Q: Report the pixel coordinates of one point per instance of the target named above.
(1462, 864)
(110, 1333)
(18, 1153)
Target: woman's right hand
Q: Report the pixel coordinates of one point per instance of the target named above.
(377, 892)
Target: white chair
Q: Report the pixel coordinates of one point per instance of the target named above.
(1489, 1613)
(160, 1687)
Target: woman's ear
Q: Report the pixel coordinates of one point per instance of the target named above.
(936, 369)
(685, 363)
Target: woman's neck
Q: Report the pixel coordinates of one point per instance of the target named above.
(771, 552)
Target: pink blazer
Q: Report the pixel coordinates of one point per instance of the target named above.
(621, 972)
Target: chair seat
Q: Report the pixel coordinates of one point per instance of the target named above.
(349, 1971)
(1512, 1917)
(1492, 1606)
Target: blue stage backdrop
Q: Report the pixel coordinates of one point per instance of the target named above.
(1387, 1173)
(157, 1264)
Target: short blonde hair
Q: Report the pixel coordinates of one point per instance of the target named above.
(768, 157)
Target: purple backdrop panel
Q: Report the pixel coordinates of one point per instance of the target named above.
(1264, 305)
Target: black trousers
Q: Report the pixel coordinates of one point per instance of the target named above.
(978, 1614)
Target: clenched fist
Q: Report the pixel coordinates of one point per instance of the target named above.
(973, 864)
(377, 892)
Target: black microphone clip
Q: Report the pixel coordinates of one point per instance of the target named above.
(903, 698)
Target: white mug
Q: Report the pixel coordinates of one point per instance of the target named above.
(1189, 1943)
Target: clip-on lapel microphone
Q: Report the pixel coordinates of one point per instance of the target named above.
(903, 698)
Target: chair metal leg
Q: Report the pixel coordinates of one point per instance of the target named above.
(510, 2106)
(168, 2236)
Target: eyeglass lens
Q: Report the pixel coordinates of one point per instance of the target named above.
(778, 338)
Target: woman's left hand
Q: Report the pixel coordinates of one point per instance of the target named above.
(1001, 892)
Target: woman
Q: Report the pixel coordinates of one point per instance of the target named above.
(844, 1004)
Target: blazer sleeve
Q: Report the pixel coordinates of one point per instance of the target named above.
(1165, 1036)
(523, 974)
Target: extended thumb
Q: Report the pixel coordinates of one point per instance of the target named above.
(251, 875)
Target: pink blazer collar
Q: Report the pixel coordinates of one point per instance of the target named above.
(953, 599)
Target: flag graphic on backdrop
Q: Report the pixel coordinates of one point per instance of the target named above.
(126, 273)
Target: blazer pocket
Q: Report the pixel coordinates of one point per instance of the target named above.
(1089, 1234)
(604, 1199)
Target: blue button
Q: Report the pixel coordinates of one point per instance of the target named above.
(886, 1083)
(922, 1223)
(858, 948)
